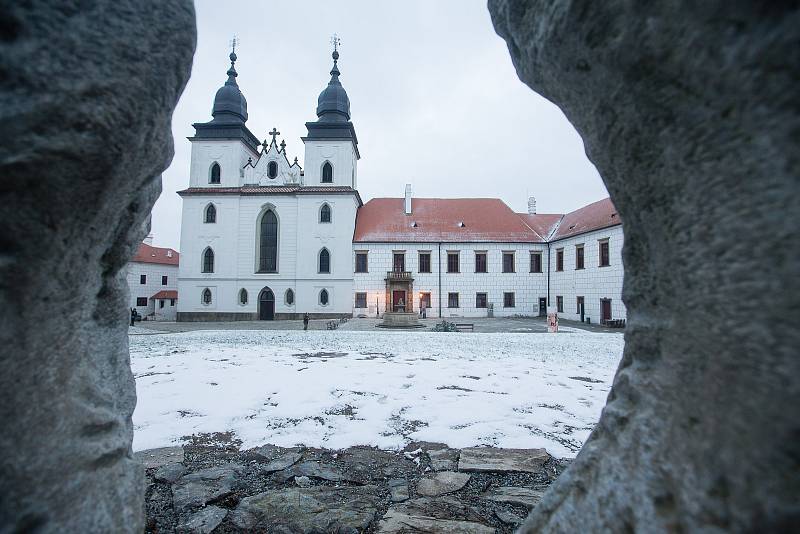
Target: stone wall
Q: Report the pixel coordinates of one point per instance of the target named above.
(86, 99)
(689, 111)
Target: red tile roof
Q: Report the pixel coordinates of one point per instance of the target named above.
(437, 220)
(597, 215)
(166, 294)
(150, 254)
(542, 223)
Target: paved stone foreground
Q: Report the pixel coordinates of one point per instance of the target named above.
(216, 487)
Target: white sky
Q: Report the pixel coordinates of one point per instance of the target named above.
(433, 96)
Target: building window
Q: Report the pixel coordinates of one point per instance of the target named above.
(452, 300)
(324, 261)
(163, 280)
(243, 296)
(272, 170)
(508, 262)
(361, 300)
(172, 302)
(560, 259)
(208, 261)
(480, 300)
(361, 262)
(452, 263)
(536, 262)
(206, 296)
(325, 214)
(579, 305)
(160, 303)
(323, 297)
(141, 301)
(142, 278)
(508, 300)
(215, 173)
(268, 243)
(211, 214)
(424, 300)
(424, 262)
(327, 173)
(604, 255)
(560, 304)
(579, 256)
(480, 262)
(399, 262)
(289, 297)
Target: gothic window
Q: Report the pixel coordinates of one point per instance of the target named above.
(211, 214)
(327, 173)
(289, 297)
(215, 172)
(268, 243)
(323, 297)
(272, 169)
(208, 261)
(206, 296)
(325, 214)
(324, 261)
(243, 296)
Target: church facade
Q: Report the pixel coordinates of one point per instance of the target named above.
(264, 238)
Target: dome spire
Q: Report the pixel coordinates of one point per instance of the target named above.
(232, 74)
(333, 105)
(230, 105)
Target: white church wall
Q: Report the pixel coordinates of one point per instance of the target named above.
(592, 282)
(341, 155)
(231, 156)
(527, 287)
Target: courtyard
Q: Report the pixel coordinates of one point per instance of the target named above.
(509, 384)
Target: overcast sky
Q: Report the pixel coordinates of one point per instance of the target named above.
(433, 96)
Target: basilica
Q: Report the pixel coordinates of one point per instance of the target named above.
(265, 238)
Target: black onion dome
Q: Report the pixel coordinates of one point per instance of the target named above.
(229, 102)
(333, 103)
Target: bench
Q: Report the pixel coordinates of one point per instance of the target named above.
(465, 326)
(614, 323)
(332, 325)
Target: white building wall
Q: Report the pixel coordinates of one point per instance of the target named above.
(153, 273)
(593, 282)
(342, 156)
(527, 287)
(231, 155)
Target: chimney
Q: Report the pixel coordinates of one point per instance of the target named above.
(408, 199)
(149, 240)
(531, 205)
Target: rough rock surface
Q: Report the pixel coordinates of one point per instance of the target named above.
(528, 497)
(202, 522)
(159, 457)
(204, 486)
(498, 460)
(86, 98)
(689, 110)
(441, 483)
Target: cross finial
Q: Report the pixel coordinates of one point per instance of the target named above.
(283, 146)
(234, 43)
(274, 133)
(336, 42)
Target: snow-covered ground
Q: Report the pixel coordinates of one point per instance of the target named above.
(384, 388)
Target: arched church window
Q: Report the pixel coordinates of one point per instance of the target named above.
(211, 214)
(268, 243)
(243, 296)
(325, 214)
(327, 173)
(323, 297)
(324, 261)
(289, 297)
(208, 261)
(272, 169)
(215, 173)
(206, 296)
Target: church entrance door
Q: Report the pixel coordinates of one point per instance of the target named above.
(266, 305)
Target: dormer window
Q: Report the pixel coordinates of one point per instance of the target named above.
(214, 178)
(327, 173)
(461, 224)
(272, 170)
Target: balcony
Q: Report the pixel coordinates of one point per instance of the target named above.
(399, 276)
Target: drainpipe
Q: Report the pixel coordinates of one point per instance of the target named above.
(440, 280)
(548, 273)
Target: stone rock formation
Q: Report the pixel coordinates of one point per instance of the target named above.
(690, 113)
(86, 98)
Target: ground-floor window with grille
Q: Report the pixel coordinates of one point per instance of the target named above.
(141, 301)
(508, 300)
(452, 300)
(361, 300)
(560, 304)
(480, 300)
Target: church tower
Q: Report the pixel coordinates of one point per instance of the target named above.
(331, 146)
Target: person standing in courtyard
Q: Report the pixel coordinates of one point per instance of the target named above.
(306, 317)
(133, 315)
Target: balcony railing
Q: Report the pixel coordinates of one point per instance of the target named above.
(399, 276)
